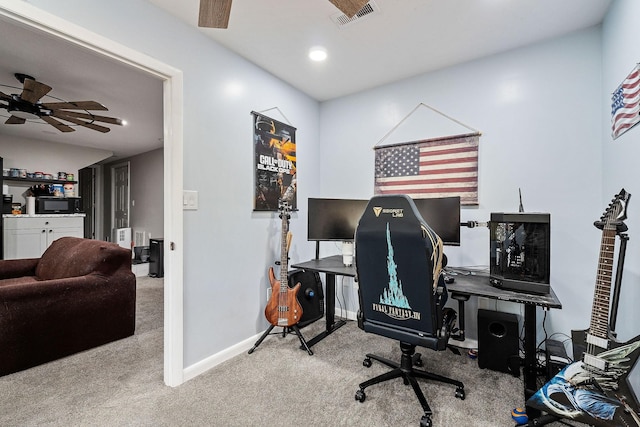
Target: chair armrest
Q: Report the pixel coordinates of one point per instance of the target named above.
(11, 268)
(68, 288)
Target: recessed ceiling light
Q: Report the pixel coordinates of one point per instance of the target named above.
(318, 54)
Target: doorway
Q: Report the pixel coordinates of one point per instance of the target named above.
(91, 189)
(27, 15)
(120, 195)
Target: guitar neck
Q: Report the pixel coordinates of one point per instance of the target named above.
(599, 325)
(284, 251)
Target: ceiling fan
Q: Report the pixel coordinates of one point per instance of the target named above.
(27, 105)
(215, 13)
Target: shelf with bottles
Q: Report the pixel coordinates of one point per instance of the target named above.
(38, 180)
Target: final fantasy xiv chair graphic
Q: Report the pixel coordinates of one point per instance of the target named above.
(401, 290)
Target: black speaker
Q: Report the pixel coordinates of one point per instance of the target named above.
(310, 295)
(498, 342)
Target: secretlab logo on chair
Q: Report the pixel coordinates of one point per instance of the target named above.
(393, 302)
(394, 212)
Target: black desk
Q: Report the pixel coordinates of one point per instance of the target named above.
(478, 285)
(331, 266)
(463, 286)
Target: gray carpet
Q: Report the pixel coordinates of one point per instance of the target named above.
(120, 384)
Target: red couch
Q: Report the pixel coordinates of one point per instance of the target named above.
(80, 294)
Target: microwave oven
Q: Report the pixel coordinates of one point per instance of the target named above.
(58, 205)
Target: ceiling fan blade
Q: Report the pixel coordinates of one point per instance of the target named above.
(75, 105)
(93, 126)
(62, 114)
(214, 13)
(14, 120)
(349, 7)
(34, 90)
(58, 125)
(5, 96)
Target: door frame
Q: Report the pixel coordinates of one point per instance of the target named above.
(31, 16)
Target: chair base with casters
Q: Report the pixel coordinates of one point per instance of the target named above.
(409, 374)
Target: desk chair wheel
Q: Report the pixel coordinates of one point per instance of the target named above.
(425, 421)
(460, 394)
(360, 396)
(367, 364)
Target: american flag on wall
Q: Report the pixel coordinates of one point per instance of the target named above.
(625, 104)
(441, 167)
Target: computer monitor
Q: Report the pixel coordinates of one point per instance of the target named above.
(337, 219)
(334, 219)
(442, 214)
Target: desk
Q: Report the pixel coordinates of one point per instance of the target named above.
(331, 266)
(463, 286)
(478, 285)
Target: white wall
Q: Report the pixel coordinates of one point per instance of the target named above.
(621, 53)
(228, 248)
(146, 192)
(539, 111)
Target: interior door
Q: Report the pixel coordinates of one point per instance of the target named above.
(120, 205)
(88, 194)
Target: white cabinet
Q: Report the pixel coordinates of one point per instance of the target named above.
(29, 237)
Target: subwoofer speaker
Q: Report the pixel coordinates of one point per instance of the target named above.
(310, 295)
(498, 342)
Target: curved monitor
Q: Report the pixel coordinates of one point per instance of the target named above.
(337, 219)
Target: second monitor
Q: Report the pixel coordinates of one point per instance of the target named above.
(337, 219)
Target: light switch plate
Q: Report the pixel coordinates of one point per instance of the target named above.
(189, 200)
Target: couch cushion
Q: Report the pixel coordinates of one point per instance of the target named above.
(73, 257)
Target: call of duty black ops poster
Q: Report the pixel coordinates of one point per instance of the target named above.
(275, 163)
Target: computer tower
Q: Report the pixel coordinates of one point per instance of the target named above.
(156, 257)
(520, 251)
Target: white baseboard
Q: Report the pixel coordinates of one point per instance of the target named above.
(204, 365)
(350, 315)
(212, 361)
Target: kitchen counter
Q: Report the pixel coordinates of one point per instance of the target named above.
(28, 236)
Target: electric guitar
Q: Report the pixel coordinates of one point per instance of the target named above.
(283, 308)
(603, 388)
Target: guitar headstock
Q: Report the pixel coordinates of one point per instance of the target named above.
(616, 212)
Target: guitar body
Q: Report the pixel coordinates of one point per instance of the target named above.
(594, 396)
(603, 387)
(283, 308)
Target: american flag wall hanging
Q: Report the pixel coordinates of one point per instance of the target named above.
(625, 104)
(442, 167)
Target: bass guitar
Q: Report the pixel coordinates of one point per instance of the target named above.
(283, 307)
(603, 388)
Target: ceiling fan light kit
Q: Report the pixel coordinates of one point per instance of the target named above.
(27, 106)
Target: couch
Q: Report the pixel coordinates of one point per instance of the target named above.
(80, 294)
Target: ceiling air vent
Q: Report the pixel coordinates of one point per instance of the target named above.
(342, 20)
